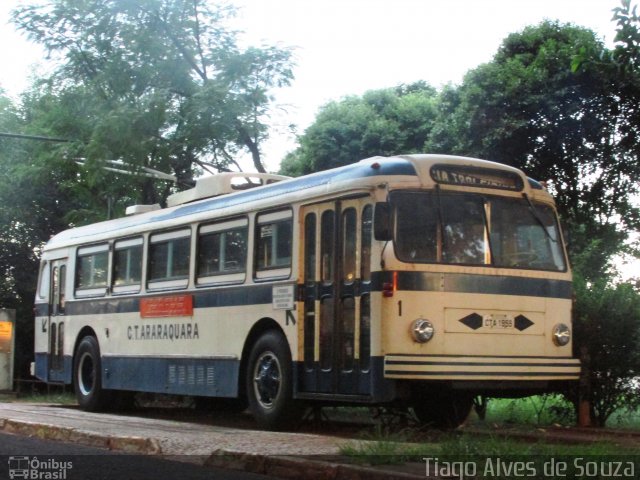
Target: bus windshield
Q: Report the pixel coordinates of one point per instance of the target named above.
(473, 229)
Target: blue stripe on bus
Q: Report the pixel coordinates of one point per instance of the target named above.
(483, 284)
(222, 297)
(407, 281)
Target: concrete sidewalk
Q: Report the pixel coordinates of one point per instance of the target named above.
(280, 454)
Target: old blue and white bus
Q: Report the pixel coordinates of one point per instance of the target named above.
(415, 280)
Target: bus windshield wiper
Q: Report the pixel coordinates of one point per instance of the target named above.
(536, 215)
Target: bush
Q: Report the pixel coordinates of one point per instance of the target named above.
(607, 340)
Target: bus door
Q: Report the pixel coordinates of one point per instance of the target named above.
(336, 332)
(55, 327)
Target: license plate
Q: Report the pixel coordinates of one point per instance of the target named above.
(497, 321)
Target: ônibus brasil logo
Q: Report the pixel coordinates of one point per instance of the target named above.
(36, 469)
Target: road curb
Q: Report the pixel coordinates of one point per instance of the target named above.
(286, 467)
(140, 445)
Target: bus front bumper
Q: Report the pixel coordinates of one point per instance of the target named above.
(454, 367)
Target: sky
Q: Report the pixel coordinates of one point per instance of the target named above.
(346, 47)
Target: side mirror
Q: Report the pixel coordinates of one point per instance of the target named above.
(382, 225)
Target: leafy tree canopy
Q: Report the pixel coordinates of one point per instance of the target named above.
(527, 108)
(381, 122)
(154, 83)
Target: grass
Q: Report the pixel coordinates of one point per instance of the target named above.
(539, 410)
(545, 410)
(392, 449)
(386, 446)
(61, 398)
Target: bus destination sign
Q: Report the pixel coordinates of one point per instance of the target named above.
(476, 177)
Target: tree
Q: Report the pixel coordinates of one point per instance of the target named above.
(528, 109)
(381, 122)
(31, 210)
(166, 83)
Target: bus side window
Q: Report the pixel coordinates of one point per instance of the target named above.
(273, 244)
(63, 289)
(92, 266)
(43, 290)
(222, 252)
(58, 285)
(169, 259)
(127, 266)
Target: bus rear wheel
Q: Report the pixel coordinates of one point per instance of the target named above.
(269, 383)
(87, 376)
(442, 409)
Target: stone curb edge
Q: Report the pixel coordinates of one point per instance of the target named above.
(281, 466)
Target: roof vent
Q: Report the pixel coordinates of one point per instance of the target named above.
(138, 209)
(222, 184)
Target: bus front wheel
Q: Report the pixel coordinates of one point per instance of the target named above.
(87, 378)
(269, 383)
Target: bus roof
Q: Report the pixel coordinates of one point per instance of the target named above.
(367, 171)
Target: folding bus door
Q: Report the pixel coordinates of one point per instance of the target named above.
(336, 290)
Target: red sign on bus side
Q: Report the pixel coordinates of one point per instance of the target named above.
(173, 306)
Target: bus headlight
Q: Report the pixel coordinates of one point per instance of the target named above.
(422, 330)
(561, 335)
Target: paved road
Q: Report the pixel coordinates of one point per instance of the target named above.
(66, 461)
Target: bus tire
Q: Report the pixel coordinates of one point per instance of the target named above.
(87, 376)
(443, 410)
(269, 383)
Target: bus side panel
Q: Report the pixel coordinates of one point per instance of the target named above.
(194, 354)
(178, 376)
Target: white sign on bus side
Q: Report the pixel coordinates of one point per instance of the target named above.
(283, 297)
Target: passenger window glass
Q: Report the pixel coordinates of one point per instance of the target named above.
(127, 263)
(327, 246)
(62, 296)
(367, 225)
(349, 252)
(310, 248)
(44, 281)
(92, 267)
(169, 257)
(274, 245)
(222, 252)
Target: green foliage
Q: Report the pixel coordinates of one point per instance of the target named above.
(163, 84)
(386, 448)
(31, 209)
(503, 446)
(527, 108)
(607, 338)
(382, 122)
(537, 410)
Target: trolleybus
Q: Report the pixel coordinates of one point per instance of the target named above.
(415, 280)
